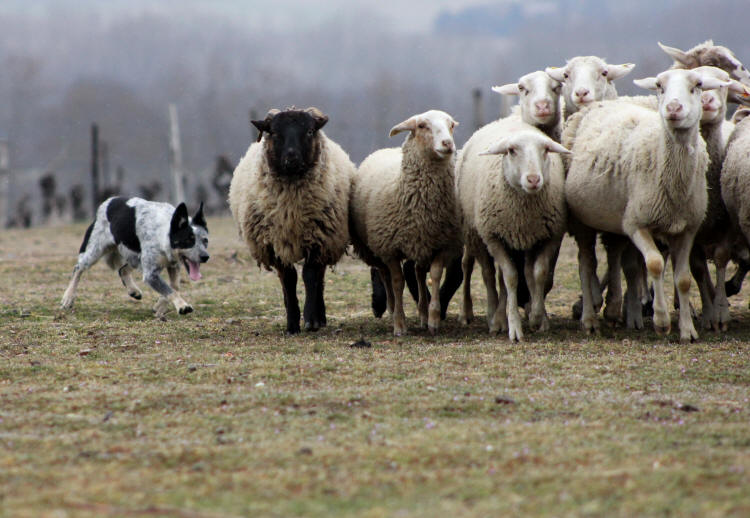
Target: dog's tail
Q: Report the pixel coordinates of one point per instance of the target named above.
(86, 237)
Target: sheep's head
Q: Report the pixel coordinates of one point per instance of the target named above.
(433, 130)
(526, 160)
(715, 101)
(708, 54)
(679, 93)
(539, 98)
(291, 144)
(587, 79)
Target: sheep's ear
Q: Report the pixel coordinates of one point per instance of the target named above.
(649, 83)
(265, 124)
(558, 74)
(509, 89)
(711, 83)
(554, 147)
(500, 147)
(738, 88)
(318, 116)
(740, 114)
(199, 219)
(409, 124)
(618, 71)
(261, 126)
(677, 54)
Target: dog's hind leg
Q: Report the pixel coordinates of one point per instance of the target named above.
(125, 272)
(174, 277)
(91, 252)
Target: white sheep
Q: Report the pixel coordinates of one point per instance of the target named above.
(641, 173)
(713, 239)
(290, 199)
(403, 207)
(539, 106)
(514, 202)
(539, 101)
(587, 79)
(708, 54)
(735, 187)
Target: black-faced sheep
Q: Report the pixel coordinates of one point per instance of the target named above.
(290, 199)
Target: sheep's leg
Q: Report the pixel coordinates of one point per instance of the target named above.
(699, 269)
(322, 321)
(586, 240)
(453, 278)
(467, 307)
(504, 264)
(424, 298)
(680, 247)
(385, 277)
(379, 295)
(615, 245)
(721, 303)
(734, 285)
(436, 273)
(634, 270)
(288, 277)
(397, 282)
(312, 275)
(488, 276)
(537, 274)
(655, 266)
(410, 278)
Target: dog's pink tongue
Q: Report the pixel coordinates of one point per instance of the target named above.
(194, 271)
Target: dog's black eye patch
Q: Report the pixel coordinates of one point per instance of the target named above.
(182, 238)
(121, 219)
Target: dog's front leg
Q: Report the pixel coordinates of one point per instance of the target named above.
(154, 280)
(174, 277)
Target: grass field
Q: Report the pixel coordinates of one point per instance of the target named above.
(106, 411)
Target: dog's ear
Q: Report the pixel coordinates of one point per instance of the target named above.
(179, 219)
(199, 219)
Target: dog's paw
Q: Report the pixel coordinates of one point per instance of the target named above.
(184, 310)
(136, 294)
(161, 307)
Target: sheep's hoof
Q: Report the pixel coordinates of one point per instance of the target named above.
(663, 330)
(688, 336)
(311, 326)
(724, 326)
(465, 320)
(515, 335)
(432, 330)
(590, 326)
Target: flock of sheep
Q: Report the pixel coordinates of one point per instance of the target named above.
(659, 176)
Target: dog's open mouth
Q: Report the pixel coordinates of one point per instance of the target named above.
(193, 269)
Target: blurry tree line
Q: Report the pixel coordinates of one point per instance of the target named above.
(64, 69)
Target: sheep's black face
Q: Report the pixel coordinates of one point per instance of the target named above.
(292, 146)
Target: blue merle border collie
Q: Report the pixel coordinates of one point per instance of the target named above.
(135, 234)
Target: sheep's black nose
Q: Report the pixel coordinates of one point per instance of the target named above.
(204, 258)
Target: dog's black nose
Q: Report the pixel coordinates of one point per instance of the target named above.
(204, 258)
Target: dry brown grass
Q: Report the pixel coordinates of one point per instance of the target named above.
(107, 411)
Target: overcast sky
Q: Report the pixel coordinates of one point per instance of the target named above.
(407, 15)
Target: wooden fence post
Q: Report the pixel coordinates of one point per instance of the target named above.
(175, 157)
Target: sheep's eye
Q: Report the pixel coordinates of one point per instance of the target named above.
(421, 125)
(511, 151)
(521, 88)
(205, 242)
(658, 84)
(565, 75)
(310, 133)
(605, 72)
(699, 84)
